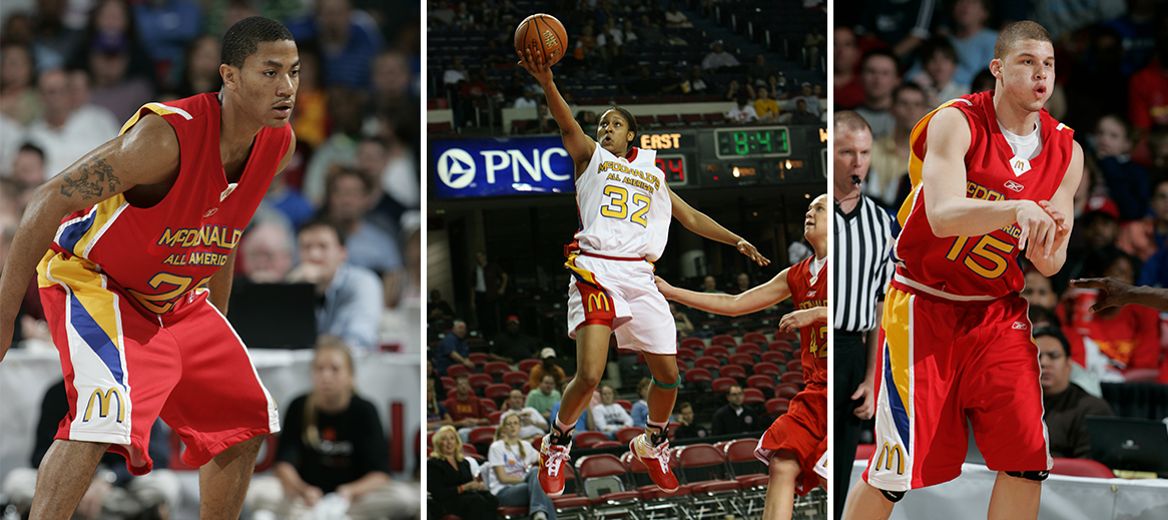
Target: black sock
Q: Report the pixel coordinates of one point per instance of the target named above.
(560, 435)
(659, 432)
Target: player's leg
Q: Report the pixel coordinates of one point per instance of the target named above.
(1014, 497)
(64, 476)
(224, 480)
(591, 355)
(652, 447)
(780, 496)
(867, 503)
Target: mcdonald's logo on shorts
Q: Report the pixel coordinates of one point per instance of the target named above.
(886, 456)
(597, 302)
(103, 400)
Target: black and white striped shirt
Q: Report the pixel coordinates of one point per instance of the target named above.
(861, 264)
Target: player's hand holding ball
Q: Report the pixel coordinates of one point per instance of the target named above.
(540, 42)
(751, 252)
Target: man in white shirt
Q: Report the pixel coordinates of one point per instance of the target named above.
(531, 423)
(743, 113)
(66, 131)
(718, 58)
(608, 415)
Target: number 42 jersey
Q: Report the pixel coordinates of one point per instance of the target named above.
(624, 205)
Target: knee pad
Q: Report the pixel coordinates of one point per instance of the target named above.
(1037, 476)
(893, 496)
(666, 386)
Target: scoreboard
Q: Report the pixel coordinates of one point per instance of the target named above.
(738, 155)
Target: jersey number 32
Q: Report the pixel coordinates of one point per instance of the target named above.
(619, 204)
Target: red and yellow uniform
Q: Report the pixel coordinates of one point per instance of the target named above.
(124, 291)
(803, 429)
(955, 336)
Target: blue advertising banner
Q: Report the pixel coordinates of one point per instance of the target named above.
(470, 168)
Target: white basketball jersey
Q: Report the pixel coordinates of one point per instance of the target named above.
(624, 205)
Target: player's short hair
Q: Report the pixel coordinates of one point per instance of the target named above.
(1017, 31)
(244, 37)
(326, 224)
(851, 121)
(1055, 333)
(626, 114)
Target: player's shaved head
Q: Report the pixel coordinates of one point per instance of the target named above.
(1018, 31)
(243, 38)
(849, 121)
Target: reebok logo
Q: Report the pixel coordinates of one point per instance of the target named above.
(1019, 326)
(1014, 186)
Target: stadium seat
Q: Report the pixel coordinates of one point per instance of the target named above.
(669, 120)
(686, 354)
(725, 340)
(448, 383)
(598, 475)
(693, 343)
(508, 512)
(791, 377)
(777, 406)
(722, 384)
(515, 379)
(480, 381)
(478, 358)
(1080, 468)
(698, 375)
(494, 417)
(780, 346)
(761, 382)
(527, 365)
(744, 466)
(607, 445)
(748, 349)
(481, 437)
(757, 338)
(496, 391)
(626, 434)
(753, 396)
(587, 439)
(794, 365)
(469, 449)
(488, 405)
(704, 467)
(496, 368)
(767, 369)
(691, 119)
(787, 390)
(717, 351)
(457, 371)
(774, 357)
(626, 404)
(707, 362)
(734, 371)
(443, 127)
(713, 118)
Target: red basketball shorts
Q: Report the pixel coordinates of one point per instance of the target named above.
(801, 431)
(944, 362)
(124, 368)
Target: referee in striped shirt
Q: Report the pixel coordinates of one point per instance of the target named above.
(862, 269)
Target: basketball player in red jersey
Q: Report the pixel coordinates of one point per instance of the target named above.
(625, 208)
(994, 177)
(795, 445)
(135, 243)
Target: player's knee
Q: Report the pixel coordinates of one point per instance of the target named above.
(784, 468)
(590, 379)
(1036, 476)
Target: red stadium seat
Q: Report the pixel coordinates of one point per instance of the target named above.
(1081, 468)
(742, 359)
(753, 396)
(697, 375)
(754, 337)
(515, 379)
(761, 382)
(592, 467)
(735, 371)
(717, 351)
(795, 365)
(780, 346)
(497, 391)
(725, 340)
(496, 368)
(448, 383)
(722, 384)
(480, 381)
(479, 358)
(713, 118)
(685, 353)
(777, 406)
(488, 405)
(626, 404)
(509, 512)
(527, 365)
(587, 439)
(774, 357)
(707, 362)
(749, 348)
(791, 377)
(481, 435)
(787, 390)
(744, 466)
(626, 434)
(604, 445)
(494, 417)
(767, 369)
(669, 120)
(469, 449)
(704, 467)
(457, 371)
(693, 343)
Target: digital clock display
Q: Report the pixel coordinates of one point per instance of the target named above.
(761, 141)
(674, 167)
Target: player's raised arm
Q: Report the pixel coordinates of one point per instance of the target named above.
(147, 154)
(706, 227)
(950, 212)
(578, 144)
(753, 300)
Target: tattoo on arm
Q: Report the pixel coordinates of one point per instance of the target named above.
(92, 180)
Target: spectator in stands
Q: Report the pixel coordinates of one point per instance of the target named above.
(512, 344)
(464, 407)
(28, 168)
(879, 74)
(115, 59)
(687, 428)
(710, 284)
(525, 100)
(1144, 237)
(516, 470)
(488, 286)
(332, 443)
(18, 96)
(902, 24)
(1038, 291)
(940, 60)
(718, 58)
(675, 19)
(813, 45)
(344, 115)
(973, 42)
(166, 27)
(802, 115)
(531, 423)
(200, 72)
(681, 320)
(544, 396)
(849, 89)
(1128, 337)
(734, 418)
(609, 415)
(350, 196)
(311, 123)
(266, 252)
(807, 94)
(454, 74)
(66, 131)
(888, 176)
(113, 492)
(640, 411)
(547, 367)
(453, 349)
(348, 39)
(650, 33)
(351, 302)
(1128, 183)
(765, 106)
(742, 283)
(436, 414)
(1100, 226)
(1148, 89)
(452, 484)
(437, 307)
(695, 83)
(760, 69)
(1065, 403)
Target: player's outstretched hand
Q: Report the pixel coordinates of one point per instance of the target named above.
(798, 319)
(1036, 224)
(532, 61)
(1112, 292)
(751, 252)
(865, 393)
(664, 287)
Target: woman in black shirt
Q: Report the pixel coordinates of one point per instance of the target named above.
(455, 491)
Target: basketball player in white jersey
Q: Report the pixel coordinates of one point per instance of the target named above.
(625, 206)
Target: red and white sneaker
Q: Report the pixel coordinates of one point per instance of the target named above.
(656, 460)
(552, 458)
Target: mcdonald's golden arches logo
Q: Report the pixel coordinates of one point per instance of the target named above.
(598, 301)
(103, 399)
(887, 454)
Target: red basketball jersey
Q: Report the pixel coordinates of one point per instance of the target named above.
(159, 254)
(808, 290)
(985, 265)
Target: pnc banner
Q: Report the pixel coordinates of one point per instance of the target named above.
(471, 168)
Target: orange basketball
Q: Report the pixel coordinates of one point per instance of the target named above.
(542, 31)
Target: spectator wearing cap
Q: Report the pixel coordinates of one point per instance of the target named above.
(453, 349)
(1067, 405)
(544, 397)
(512, 344)
(547, 367)
(718, 58)
(1144, 237)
